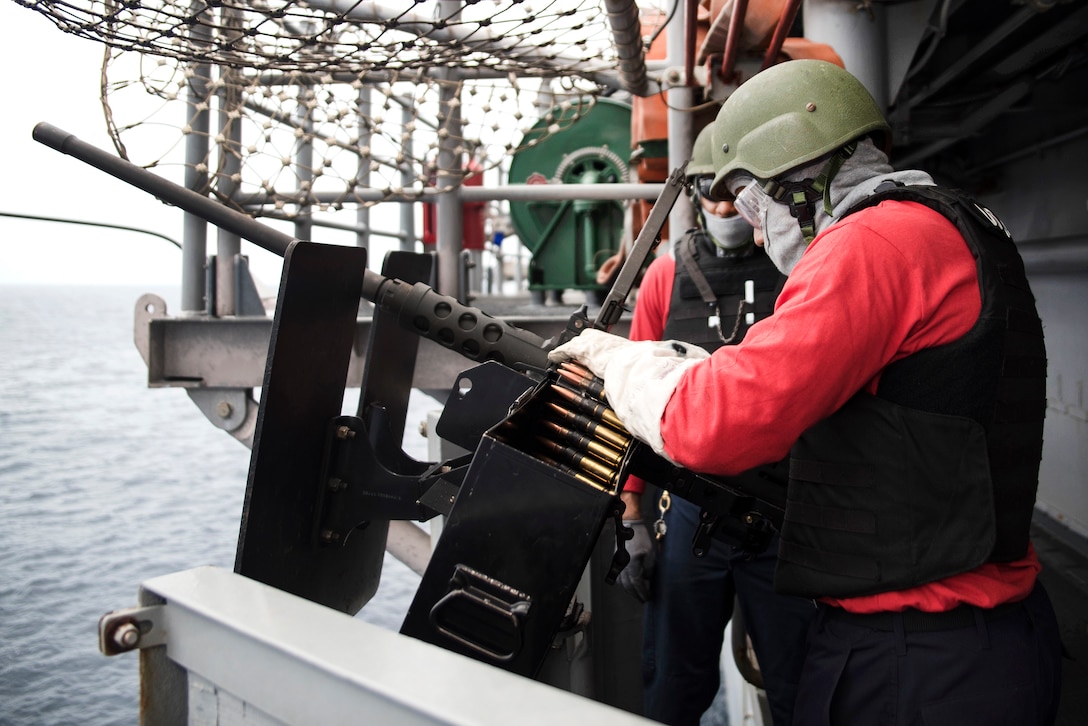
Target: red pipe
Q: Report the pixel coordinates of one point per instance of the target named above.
(729, 56)
(690, 35)
(785, 22)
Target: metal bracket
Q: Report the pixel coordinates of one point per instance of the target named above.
(358, 488)
(149, 307)
(120, 631)
(226, 408)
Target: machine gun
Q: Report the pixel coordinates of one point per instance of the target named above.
(524, 509)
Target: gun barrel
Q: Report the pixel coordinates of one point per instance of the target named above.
(221, 216)
(461, 328)
(441, 318)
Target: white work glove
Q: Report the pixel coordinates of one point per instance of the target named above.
(635, 576)
(593, 349)
(639, 376)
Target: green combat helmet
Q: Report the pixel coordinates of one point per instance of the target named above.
(700, 171)
(728, 234)
(702, 154)
(789, 115)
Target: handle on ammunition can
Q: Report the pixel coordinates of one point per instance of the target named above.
(480, 599)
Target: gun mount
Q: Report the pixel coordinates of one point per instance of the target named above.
(323, 487)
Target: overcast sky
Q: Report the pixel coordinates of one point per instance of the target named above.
(53, 77)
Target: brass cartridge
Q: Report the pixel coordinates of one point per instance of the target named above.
(595, 428)
(581, 442)
(576, 367)
(578, 460)
(582, 378)
(583, 477)
(590, 407)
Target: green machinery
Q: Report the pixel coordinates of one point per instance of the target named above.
(571, 239)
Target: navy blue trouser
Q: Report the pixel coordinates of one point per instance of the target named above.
(1002, 668)
(684, 622)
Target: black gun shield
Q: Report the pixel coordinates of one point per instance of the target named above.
(390, 363)
(304, 381)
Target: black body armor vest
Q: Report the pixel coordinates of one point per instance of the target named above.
(707, 286)
(937, 473)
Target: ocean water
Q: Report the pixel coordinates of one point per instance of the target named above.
(105, 483)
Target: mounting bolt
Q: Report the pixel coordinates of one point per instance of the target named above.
(224, 409)
(126, 636)
(122, 631)
(344, 432)
(328, 536)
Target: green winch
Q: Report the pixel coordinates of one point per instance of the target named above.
(571, 239)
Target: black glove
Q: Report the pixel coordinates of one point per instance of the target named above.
(635, 577)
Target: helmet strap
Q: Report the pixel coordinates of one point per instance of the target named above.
(697, 203)
(801, 196)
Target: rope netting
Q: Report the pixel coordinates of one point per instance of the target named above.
(286, 107)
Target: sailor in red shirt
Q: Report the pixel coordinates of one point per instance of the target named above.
(903, 372)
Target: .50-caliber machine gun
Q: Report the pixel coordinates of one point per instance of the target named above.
(523, 511)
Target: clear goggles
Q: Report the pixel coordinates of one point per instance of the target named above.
(751, 203)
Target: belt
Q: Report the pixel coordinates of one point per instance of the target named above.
(918, 621)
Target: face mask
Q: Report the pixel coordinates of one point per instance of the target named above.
(783, 239)
(729, 233)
